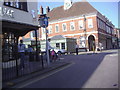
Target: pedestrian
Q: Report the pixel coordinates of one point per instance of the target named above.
(30, 53)
(93, 45)
(21, 51)
(53, 55)
(77, 48)
(100, 46)
(49, 47)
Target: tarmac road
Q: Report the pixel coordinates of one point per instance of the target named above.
(85, 71)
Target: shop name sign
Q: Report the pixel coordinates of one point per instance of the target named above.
(6, 12)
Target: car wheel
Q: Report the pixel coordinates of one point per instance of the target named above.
(59, 52)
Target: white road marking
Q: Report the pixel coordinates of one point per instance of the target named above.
(113, 55)
(42, 77)
(61, 58)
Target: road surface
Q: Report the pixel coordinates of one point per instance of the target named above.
(85, 71)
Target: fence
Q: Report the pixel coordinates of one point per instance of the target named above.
(11, 69)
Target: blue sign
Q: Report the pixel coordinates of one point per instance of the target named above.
(43, 21)
(46, 21)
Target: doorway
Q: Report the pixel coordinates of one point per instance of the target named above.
(91, 43)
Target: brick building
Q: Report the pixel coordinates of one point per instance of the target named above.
(81, 21)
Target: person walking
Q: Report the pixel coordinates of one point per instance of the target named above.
(100, 46)
(30, 53)
(94, 46)
(21, 51)
(53, 55)
(49, 48)
(76, 48)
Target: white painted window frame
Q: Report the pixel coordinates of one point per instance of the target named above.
(50, 29)
(71, 25)
(55, 28)
(81, 23)
(63, 27)
(90, 22)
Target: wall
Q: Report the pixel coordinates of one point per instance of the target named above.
(23, 16)
(77, 33)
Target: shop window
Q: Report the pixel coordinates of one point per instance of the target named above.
(58, 45)
(18, 4)
(63, 45)
(9, 47)
(82, 42)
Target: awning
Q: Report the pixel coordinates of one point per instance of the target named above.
(18, 28)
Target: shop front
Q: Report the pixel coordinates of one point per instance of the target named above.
(11, 31)
(16, 20)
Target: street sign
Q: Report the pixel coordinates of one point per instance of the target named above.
(41, 22)
(46, 21)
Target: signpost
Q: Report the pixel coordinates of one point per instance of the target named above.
(43, 22)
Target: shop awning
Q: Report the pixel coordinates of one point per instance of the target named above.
(16, 27)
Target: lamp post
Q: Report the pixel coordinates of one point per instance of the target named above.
(85, 30)
(43, 22)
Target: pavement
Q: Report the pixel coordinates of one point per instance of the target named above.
(53, 66)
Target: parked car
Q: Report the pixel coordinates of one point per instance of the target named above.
(60, 51)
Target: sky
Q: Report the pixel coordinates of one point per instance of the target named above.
(109, 8)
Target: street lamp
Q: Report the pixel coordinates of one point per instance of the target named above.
(85, 30)
(43, 22)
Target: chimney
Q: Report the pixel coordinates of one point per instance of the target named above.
(41, 10)
(47, 9)
(67, 4)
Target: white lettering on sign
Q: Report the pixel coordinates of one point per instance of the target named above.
(6, 12)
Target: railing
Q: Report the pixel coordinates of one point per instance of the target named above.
(11, 69)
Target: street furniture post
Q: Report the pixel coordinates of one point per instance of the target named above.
(43, 22)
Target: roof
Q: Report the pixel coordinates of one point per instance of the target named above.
(58, 37)
(78, 8)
